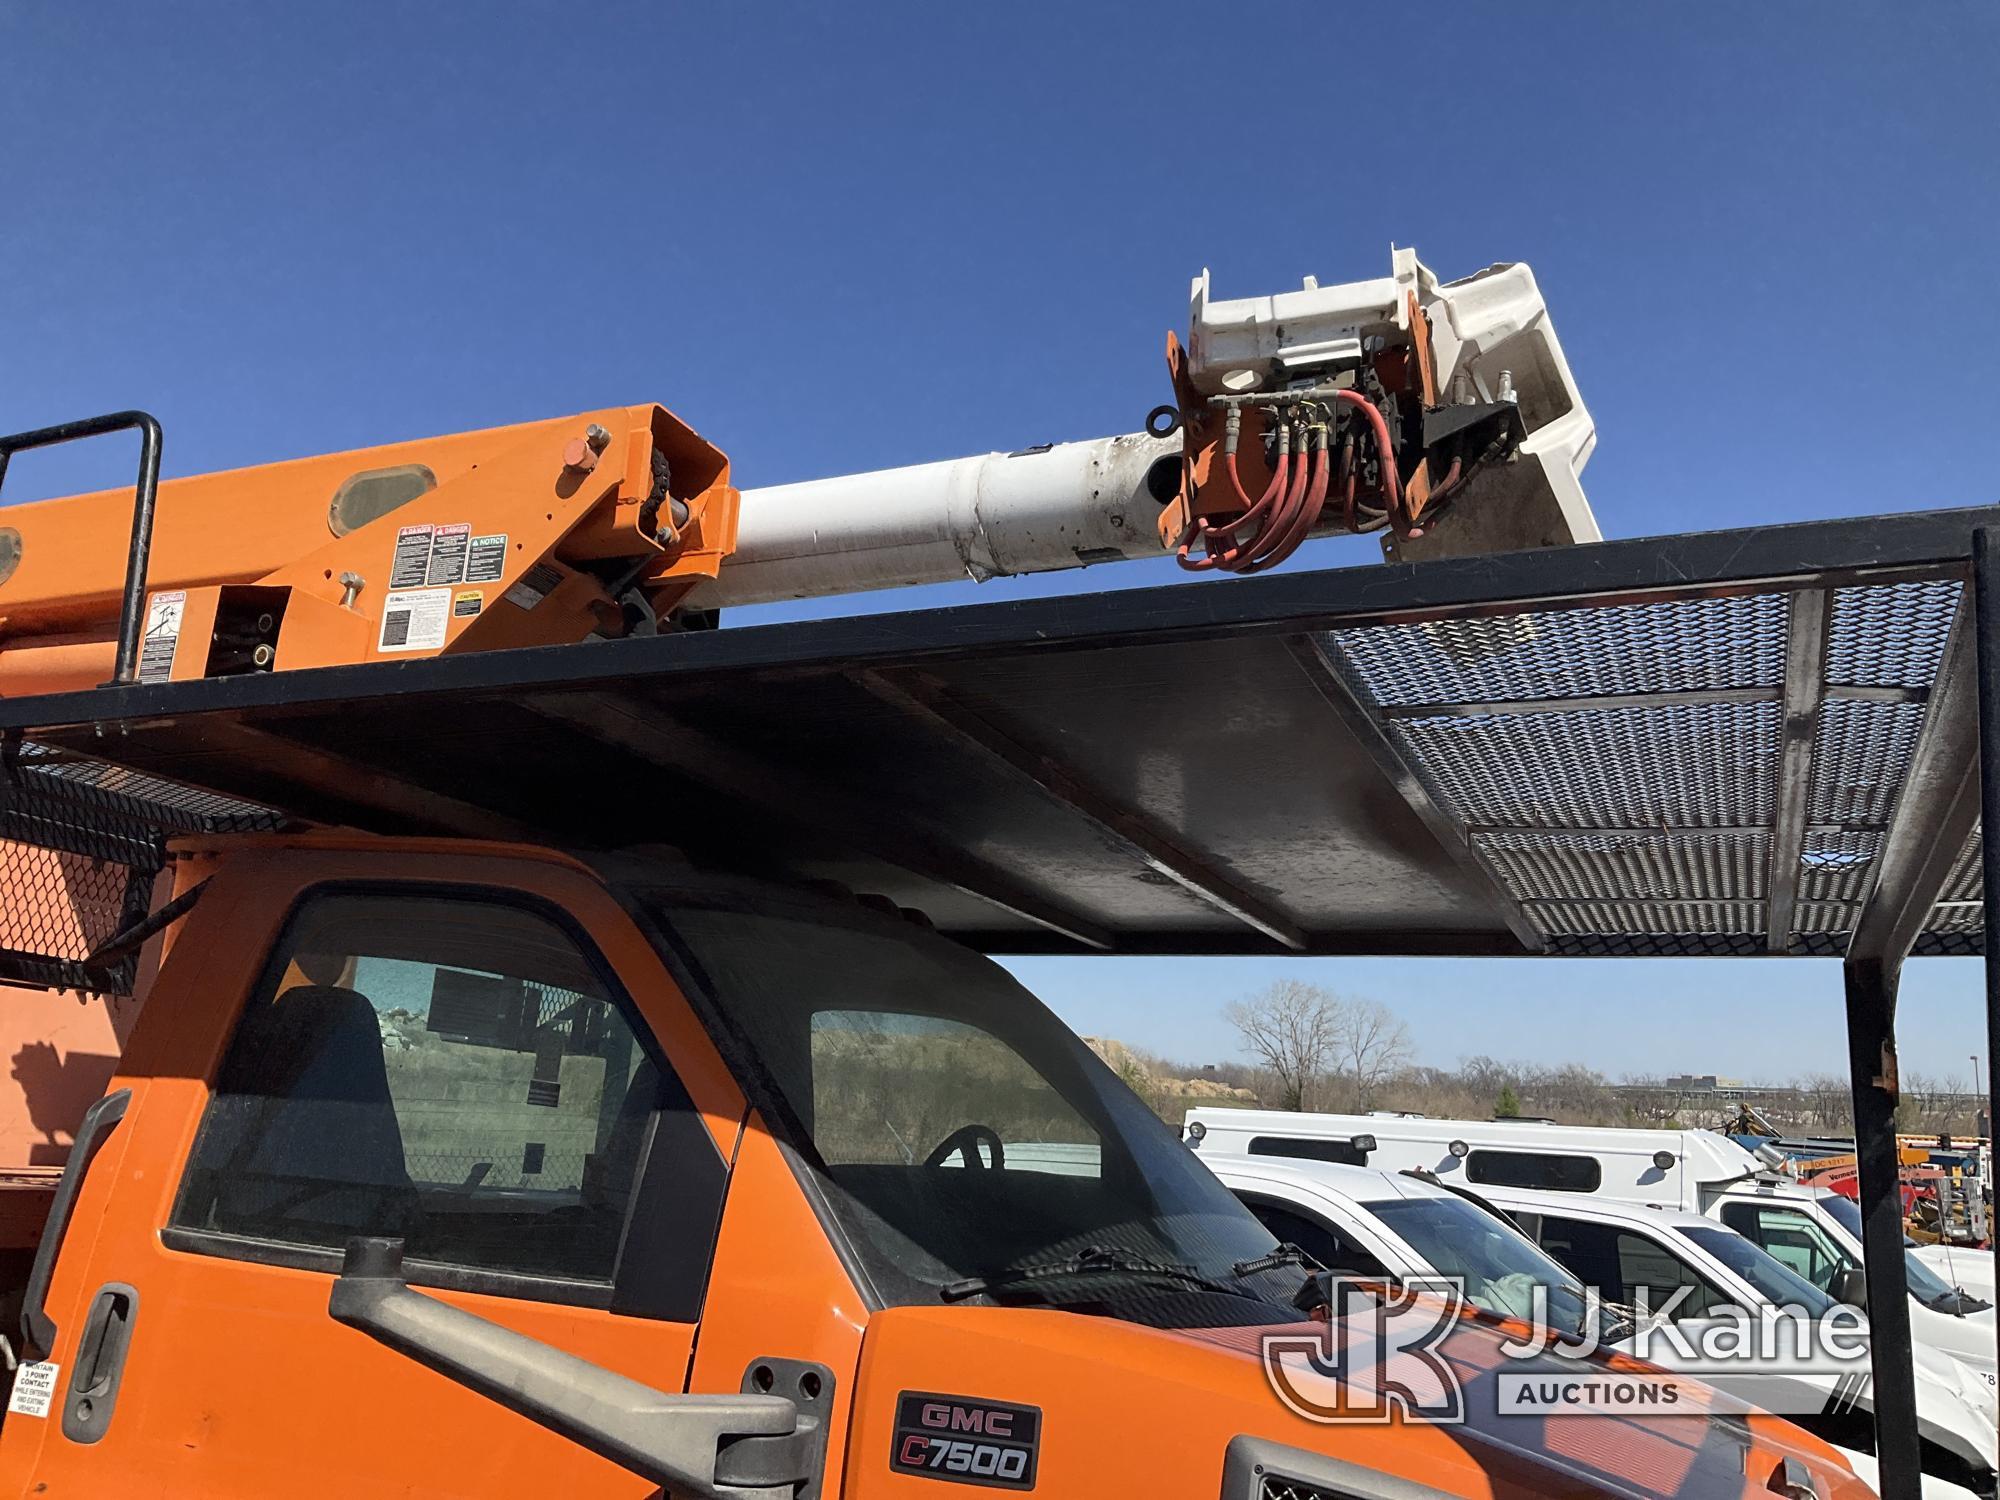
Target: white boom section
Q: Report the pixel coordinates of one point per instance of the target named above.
(1073, 504)
(1064, 506)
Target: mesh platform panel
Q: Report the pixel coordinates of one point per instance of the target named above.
(1684, 765)
(60, 907)
(80, 846)
(1651, 827)
(1665, 866)
(1628, 648)
(1836, 864)
(1859, 758)
(1890, 635)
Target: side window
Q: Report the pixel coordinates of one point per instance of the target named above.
(1535, 1169)
(1322, 1241)
(1620, 1264)
(450, 1071)
(1343, 1152)
(1788, 1237)
(1644, 1262)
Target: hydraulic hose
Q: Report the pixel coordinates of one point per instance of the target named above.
(1392, 485)
(1279, 520)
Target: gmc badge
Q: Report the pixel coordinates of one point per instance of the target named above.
(965, 1440)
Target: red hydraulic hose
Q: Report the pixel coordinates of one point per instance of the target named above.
(1306, 515)
(1295, 499)
(1207, 531)
(1280, 521)
(1392, 485)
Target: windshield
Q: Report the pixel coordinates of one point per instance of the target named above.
(960, 1132)
(1777, 1283)
(1925, 1284)
(1499, 1266)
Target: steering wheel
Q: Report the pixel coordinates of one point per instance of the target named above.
(964, 1141)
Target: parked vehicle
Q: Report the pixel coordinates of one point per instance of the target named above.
(1621, 1248)
(1969, 1270)
(1363, 1222)
(1814, 1231)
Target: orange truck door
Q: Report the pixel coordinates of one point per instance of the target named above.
(478, 1055)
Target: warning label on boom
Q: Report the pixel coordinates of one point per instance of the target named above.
(488, 560)
(415, 620)
(412, 561)
(448, 546)
(163, 636)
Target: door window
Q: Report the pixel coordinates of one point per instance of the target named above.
(456, 1073)
(1337, 1251)
(1788, 1237)
(1621, 1264)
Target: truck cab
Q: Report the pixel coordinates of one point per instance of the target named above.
(425, 1156)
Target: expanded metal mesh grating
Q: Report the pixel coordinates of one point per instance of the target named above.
(1963, 917)
(1835, 864)
(1890, 635)
(1647, 917)
(80, 844)
(1967, 881)
(1682, 765)
(1649, 827)
(1628, 648)
(1825, 916)
(1656, 945)
(1665, 866)
(162, 804)
(60, 908)
(1860, 755)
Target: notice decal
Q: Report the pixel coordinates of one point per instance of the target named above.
(34, 1389)
(415, 620)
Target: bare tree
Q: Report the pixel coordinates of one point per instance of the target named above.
(1371, 1045)
(1294, 1030)
(1826, 1103)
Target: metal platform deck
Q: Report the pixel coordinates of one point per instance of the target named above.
(1753, 742)
(1697, 744)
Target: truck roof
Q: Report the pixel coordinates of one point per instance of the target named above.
(1355, 1184)
(1575, 751)
(1594, 1206)
(1706, 1155)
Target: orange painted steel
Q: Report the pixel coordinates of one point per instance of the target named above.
(239, 1384)
(510, 495)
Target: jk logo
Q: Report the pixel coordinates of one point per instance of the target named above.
(1374, 1357)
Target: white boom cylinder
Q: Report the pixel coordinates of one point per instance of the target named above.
(1063, 506)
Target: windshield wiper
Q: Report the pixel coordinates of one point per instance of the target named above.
(1286, 1254)
(1090, 1260)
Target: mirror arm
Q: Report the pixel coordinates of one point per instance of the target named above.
(720, 1447)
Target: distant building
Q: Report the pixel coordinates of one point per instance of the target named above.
(1703, 1083)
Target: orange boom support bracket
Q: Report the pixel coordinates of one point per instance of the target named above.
(595, 525)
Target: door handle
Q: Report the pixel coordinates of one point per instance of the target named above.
(99, 1366)
(38, 1329)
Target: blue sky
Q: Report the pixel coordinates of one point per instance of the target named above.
(838, 238)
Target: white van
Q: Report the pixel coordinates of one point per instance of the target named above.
(1362, 1222)
(1813, 1231)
